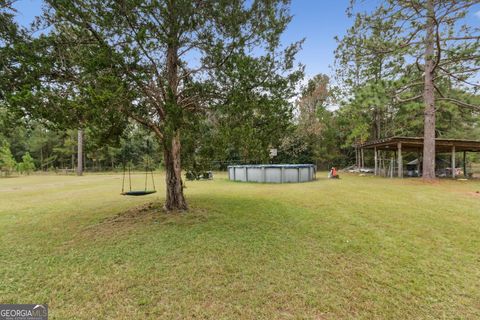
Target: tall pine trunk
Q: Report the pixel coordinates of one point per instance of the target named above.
(429, 98)
(175, 200)
(80, 152)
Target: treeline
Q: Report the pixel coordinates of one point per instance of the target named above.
(306, 131)
(320, 127)
(331, 121)
(31, 145)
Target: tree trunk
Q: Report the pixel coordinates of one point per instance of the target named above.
(41, 158)
(73, 157)
(175, 200)
(429, 98)
(80, 152)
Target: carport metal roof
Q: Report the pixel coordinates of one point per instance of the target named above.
(416, 143)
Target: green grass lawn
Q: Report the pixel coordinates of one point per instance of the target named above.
(355, 248)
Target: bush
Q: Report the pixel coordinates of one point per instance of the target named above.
(27, 165)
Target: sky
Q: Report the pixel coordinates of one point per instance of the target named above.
(318, 21)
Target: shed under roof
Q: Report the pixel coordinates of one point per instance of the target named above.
(416, 144)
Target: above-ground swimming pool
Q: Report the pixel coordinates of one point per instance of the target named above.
(272, 173)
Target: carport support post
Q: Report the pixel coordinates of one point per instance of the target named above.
(465, 164)
(392, 163)
(375, 156)
(400, 160)
(453, 162)
(419, 161)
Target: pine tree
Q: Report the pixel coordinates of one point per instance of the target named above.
(27, 165)
(7, 162)
(423, 42)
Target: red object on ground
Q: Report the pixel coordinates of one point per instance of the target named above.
(334, 172)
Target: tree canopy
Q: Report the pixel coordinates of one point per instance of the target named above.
(167, 63)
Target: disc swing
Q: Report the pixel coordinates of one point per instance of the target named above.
(137, 192)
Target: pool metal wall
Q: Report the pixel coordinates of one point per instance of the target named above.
(272, 173)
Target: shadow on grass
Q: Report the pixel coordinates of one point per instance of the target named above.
(207, 214)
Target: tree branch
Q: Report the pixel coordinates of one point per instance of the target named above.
(408, 99)
(461, 103)
(458, 78)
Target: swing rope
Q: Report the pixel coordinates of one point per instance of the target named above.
(129, 177)
(146, 174)
(153, 180)
(147, 168)
(123, 179)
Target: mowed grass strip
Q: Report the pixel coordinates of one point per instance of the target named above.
(355, 248)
